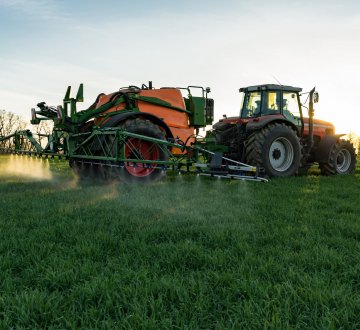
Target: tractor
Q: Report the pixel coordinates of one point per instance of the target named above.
(272, 133)
(136, 134)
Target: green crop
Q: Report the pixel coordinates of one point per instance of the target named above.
(184, 253)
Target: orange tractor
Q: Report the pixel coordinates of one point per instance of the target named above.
(273, 133)
(138, 133)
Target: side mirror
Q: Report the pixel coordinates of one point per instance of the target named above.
(316, 97)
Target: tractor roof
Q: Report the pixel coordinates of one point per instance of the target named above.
(270, 87)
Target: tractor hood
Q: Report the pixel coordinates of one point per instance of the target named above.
(321, 127)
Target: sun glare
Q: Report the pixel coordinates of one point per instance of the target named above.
(343, 124)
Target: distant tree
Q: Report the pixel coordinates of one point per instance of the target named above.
(355, 140)
(9, 124)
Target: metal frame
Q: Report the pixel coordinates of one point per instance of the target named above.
(106, 146)
(97, 148)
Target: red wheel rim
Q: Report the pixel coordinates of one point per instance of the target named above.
(140, 149)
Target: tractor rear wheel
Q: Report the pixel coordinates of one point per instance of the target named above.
(342, 159)
(139, 149)
(276, 148)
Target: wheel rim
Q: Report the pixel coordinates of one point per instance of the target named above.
(142, 150)
(343, 160)
(281, 154)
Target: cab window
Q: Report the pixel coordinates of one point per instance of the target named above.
(272, 103)
(252, 105)
(290, 107)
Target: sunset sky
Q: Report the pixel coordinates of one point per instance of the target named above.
(47, 45)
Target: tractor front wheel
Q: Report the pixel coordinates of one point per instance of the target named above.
(276, 148)
(342, 159)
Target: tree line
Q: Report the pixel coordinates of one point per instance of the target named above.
(10, 123)
(355, 140)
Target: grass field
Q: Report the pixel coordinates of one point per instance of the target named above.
(184, 253)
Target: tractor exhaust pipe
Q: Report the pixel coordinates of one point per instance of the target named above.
(311, 117)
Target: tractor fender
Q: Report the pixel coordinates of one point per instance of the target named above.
(322, 152)
(260, 122)
(117, 119)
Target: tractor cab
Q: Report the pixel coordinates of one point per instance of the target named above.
(268, 100)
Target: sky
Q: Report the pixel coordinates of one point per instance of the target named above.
(46, 45)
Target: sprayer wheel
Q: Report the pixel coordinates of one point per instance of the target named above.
(139, 149)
